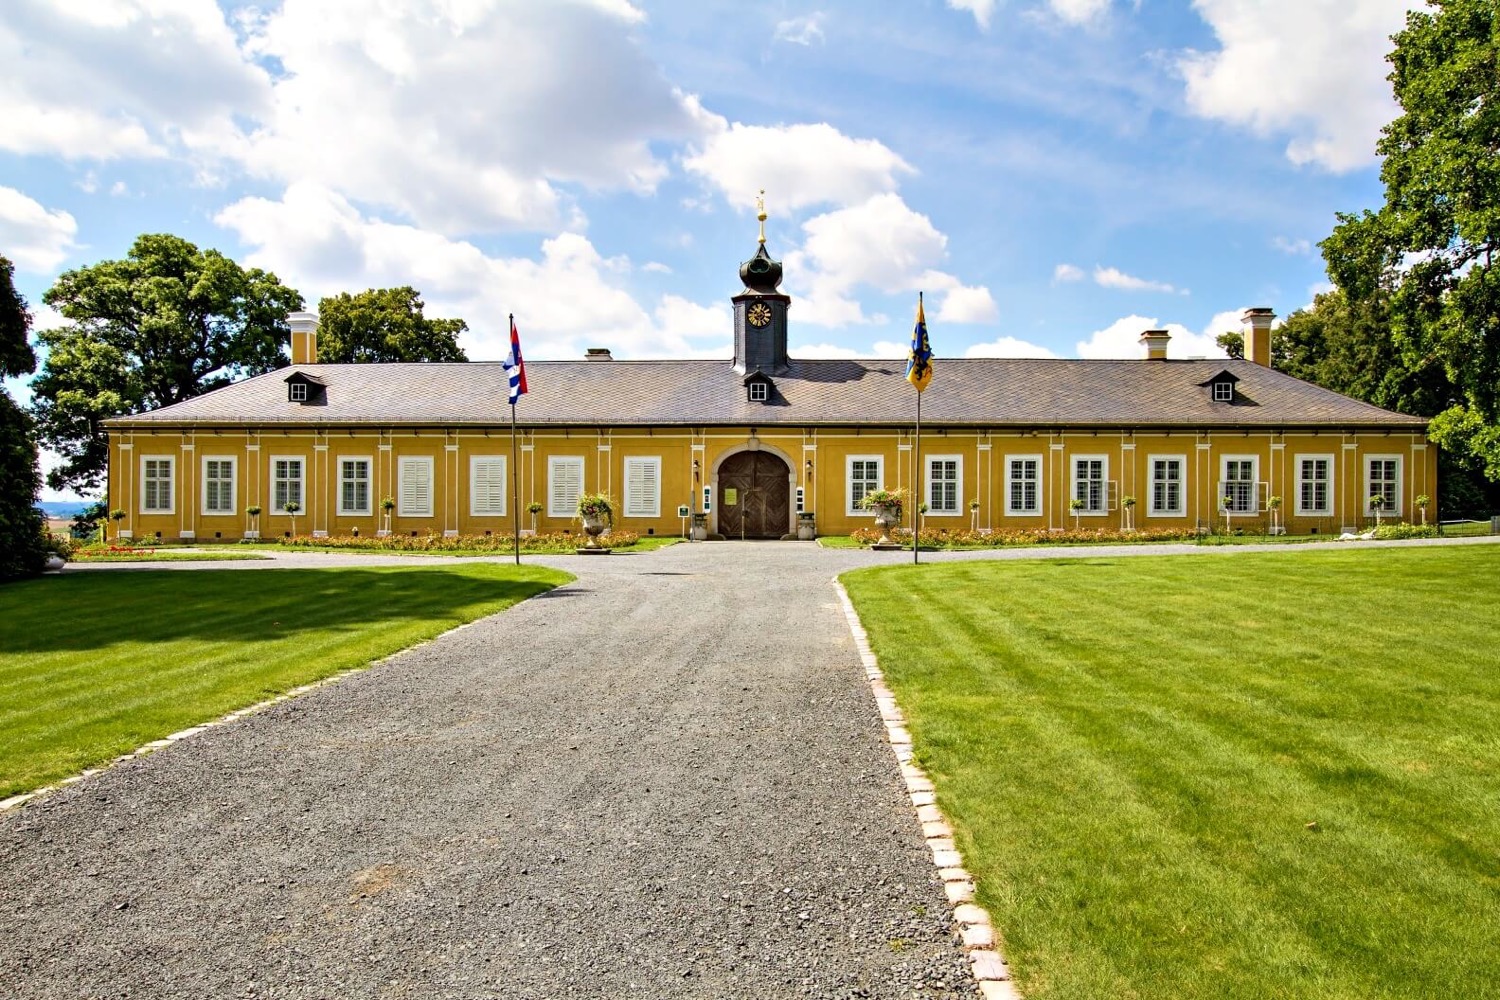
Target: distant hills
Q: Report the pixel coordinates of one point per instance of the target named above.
(62, 508)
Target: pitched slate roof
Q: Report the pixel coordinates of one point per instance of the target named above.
(964, 392)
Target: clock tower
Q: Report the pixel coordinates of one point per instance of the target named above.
(760, 310)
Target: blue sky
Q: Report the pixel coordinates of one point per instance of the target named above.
(1055, 175)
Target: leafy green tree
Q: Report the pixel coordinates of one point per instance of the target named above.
(385, 324)
(167, 323)
(22, 543)
(1429, 251)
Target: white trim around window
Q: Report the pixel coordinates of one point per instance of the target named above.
(220, 477)
(1090, 484)
(945, 485)
(288, 479)
(414, 486)
(564, 485)
(643, 486)
(1314, 485)
(158, 484)
(862, 473)
(356, 485)
(487, 484)
(1168, 486)
(1239, 478)
(1023, 485)
(1385, 474)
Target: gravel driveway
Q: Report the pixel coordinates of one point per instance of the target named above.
(667, 779)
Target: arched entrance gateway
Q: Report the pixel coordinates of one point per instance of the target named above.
(754, 496)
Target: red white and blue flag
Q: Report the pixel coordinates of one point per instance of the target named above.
(515, 367)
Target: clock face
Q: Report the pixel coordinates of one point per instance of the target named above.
(759, 314)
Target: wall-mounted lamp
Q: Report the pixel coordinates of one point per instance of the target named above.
(695, 470)
(808, 465)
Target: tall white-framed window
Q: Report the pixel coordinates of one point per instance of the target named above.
(865, 473)
(945, 484)
(1314, 485)
(1167, 486)
(218, 484)
(286, 482)
(643, 486)
(354, 484)
(1237, 492)
(157, 478)
(564, 485)
(487, 486)
(414, 486)
(1023, 485)
(1091, 483)
(1383, 479)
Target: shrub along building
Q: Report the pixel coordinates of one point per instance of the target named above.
(756, 440)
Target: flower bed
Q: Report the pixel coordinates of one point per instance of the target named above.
(551, 542)
(1002, 537)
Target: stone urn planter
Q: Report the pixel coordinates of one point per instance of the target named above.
(700, 527)
(886, 505)
(597, 512)
(807, 527)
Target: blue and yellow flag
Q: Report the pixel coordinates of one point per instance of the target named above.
(919, 362)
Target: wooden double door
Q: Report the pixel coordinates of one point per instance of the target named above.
(755, 496)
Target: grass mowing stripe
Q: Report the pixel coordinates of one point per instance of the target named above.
(155, 652)
(1131, 750)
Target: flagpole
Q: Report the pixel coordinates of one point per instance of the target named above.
(916, 507)
(515, 469)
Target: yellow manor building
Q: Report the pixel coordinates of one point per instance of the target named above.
(756, 441)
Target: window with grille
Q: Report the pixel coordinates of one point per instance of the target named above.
(1166, 486)
(1237, 491)
(156, 485)
(1223, 392)
(354, 486)
(1023, 484)
(1089, 484)
(414, 486)
(487, 486)
(286, 483)
(944, 484)
(297, 392)
(564, 485)
(643, 487)
(218, 486)
(1383, 479)
(759, 392)
(864, 476)
(1314, 479)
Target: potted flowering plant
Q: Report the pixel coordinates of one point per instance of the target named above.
(253, 513)
(886, 506)
(387, 504)
(1273, 504)
(597, 512)
(1076, 506)
(1129, 504)
(117, 515)
(1422, 501)
(291, 507)
(1377, 504)
(534, 508)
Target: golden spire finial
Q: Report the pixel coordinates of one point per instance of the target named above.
(760, 209)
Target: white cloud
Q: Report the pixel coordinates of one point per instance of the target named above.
(565, 299)
(797, 165)
(1111, 277)
(33, 238)
(1007, 347)
(1121, 339)
(1063, 273)
(129, 78)
(801, 30)
(965, 304)
(982, 10)
(1311, 69)
(1293, 248)
(465, 117)
(1079, 12)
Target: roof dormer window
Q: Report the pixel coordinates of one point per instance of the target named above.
(1221, 386)
(296, 392)
(759, 392)
(1223, 392)
(305, 389)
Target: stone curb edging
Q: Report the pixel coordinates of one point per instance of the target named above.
(976, 931)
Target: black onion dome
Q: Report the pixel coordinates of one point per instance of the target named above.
(760, 273)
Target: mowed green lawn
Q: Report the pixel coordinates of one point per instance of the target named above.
(1229, 775)
(93, 665)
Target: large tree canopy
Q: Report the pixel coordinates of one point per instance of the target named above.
(385, 324)
(167, 323)
(21, 545)
(1428, 253)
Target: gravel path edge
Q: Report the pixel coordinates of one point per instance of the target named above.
(980, 940)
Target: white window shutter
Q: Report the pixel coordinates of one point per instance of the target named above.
(564, 486)
(643, 487)
(487, 486)
(416, 487)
